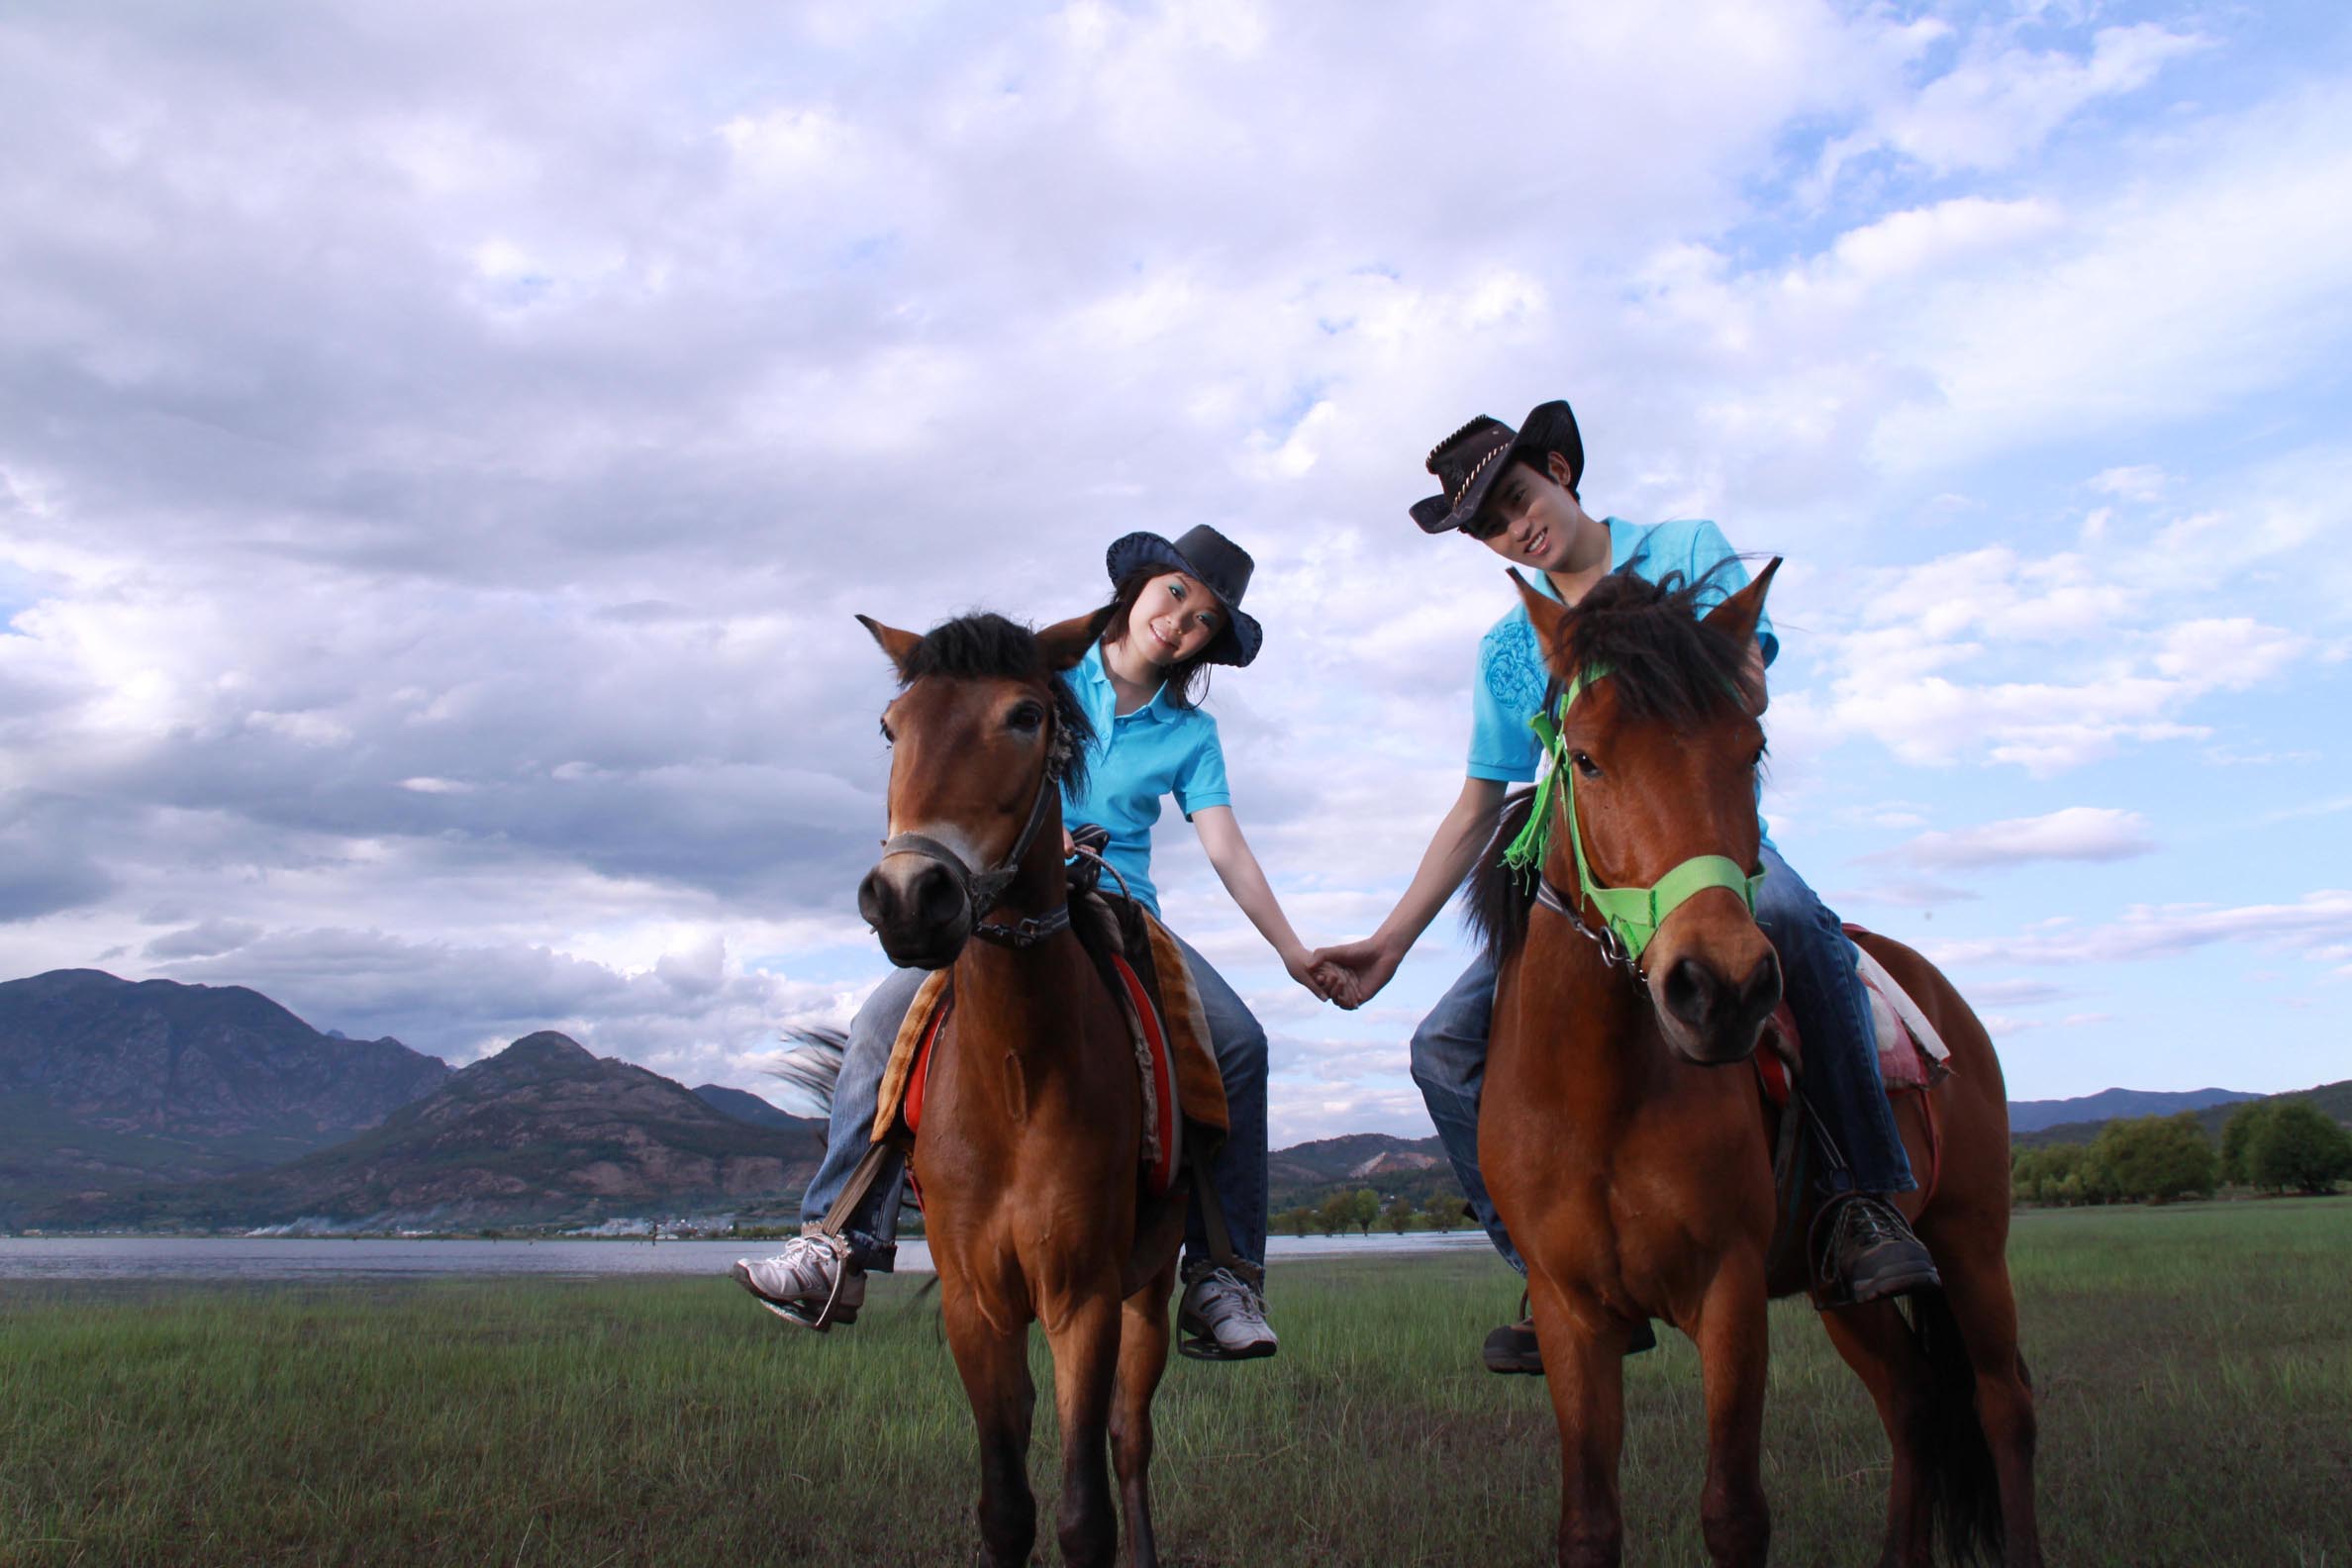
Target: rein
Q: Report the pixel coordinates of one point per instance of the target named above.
(982, 889)
(1629, 916)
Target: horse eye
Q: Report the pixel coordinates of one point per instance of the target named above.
(1585, 764)
(1025, 718)
(887, 738)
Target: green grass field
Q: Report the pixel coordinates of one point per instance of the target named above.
(2195, 1367)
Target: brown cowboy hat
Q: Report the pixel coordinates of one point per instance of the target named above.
(1469, 461)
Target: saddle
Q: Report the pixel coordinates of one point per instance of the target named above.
(1912, 1060)
(1182, 1092)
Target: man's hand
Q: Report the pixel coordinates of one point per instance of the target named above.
(1353, 972)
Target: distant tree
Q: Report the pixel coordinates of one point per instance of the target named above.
(2299, 1147)
(1366, 1209)
(1336, 1213)
(1442, 1211)
(1398, 1215)
(2156, 1159)
(2237, 1136)
(1298, 1221)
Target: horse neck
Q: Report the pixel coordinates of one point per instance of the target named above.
(1612, 1058)
(1027, 989)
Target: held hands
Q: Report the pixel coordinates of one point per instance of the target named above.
(1301, 964)
(1352, 973)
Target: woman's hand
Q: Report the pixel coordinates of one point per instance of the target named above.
(1301, 964)
(1069, 844)
(1355, 971)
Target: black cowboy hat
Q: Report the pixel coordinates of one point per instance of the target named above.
(1216, 563)
(1469, 461)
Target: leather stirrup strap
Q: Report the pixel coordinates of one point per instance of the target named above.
(831, 1229)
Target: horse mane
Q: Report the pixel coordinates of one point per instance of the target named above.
(1667, 666)
(988, 647)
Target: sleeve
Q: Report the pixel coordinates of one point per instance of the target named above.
(1709, 550)
(1201, 777)
(1501, 746)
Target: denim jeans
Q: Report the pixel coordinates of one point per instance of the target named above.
(1841, 1076)
(1238, 1173)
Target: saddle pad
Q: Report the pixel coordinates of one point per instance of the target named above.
(905, 1051)
(1181, 1056)
(1910, 1055)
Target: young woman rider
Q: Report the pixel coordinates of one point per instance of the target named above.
(1517, 493)
(1177, 611)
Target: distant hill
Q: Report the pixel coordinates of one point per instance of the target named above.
(2031, 1115)
(542, 1132)
(2335, 1098)
(107, 1082)
(744, 1105)
(1307, 1173)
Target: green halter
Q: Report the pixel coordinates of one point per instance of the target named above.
(1631, 915)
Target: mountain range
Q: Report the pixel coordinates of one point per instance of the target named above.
(154, 1104)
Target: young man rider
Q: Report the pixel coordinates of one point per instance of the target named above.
(1517, 493)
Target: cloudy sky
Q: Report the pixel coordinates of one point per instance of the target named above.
(441, 447)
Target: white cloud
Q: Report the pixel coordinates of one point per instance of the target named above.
(2078, 832)
(2317, 925)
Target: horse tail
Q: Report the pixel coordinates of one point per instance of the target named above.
(812, 1063)
(1955, 1461)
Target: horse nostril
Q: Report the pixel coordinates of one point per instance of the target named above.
(935, 898)
(873, 898)
(1762, 993)
(1690, 991)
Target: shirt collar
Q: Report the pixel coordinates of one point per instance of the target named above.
(1624, 543)
(1159, 709)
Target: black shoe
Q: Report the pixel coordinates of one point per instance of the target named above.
(1869, 1253)
(1513, 1347)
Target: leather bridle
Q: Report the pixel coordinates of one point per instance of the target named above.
(982, 890)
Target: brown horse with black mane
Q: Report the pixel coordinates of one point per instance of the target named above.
(1636, 1176)
(1032, 1121)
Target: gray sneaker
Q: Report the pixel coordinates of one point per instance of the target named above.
(1224, 1318)
(809, 1283)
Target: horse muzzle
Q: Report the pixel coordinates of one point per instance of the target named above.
(1708, 1018)
(919, 907)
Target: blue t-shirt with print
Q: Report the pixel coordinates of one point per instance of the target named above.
(1136, 758)
(1512, 677)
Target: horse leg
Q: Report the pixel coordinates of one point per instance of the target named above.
(1734, 1354)
(1084, 1335)
(1585, 1372)
(1976, 1285)
(994, 1367)
(1142, 1359)
(1873, 1340)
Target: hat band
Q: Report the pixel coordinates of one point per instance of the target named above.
(1471, 477)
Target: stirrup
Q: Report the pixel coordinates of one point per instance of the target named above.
(823, 1317)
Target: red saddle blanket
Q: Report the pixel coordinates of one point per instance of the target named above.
(1910, 1055)
(1176, 1067)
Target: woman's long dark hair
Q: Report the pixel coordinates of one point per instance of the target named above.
(1187, 680)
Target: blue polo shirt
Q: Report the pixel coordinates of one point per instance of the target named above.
(1512, 676)
(1137, 758)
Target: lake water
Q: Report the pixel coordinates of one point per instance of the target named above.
(131, 1259)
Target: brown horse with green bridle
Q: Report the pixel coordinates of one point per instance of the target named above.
(1033, 1122)
(1636, 1174)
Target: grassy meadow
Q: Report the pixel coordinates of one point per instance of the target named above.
(2195, 1367)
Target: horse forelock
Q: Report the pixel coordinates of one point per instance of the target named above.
(989, 647)
(1665, 662)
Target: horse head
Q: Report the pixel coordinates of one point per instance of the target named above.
(1656, 759)
(982, 734)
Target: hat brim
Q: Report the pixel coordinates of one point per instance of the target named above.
(1436, 514)
(1236, 641)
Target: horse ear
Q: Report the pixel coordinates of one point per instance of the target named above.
(1065, 643)
(900, 645)
(1545, 614)
(1737, 616)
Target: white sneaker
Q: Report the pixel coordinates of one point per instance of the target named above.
(1225, 1318)
(808, 1282)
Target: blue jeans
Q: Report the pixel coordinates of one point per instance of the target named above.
(1238, 1173)
(1841, 1076)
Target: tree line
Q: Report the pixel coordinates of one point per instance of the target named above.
(1361, 1210)
(2268, 1145)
